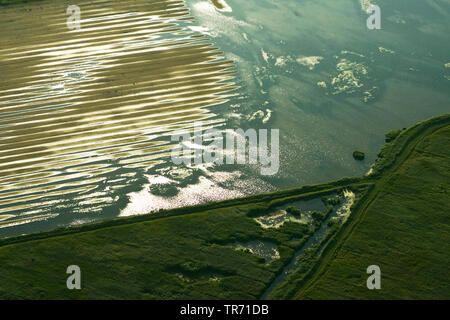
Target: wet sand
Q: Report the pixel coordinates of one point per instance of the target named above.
(78, 107)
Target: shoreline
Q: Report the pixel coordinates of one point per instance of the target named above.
(380, 165)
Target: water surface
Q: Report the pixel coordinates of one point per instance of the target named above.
(86, 116)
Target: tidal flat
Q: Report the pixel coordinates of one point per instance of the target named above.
(169, 256)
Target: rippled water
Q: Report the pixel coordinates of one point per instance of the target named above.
(82, 113)
(86, 116)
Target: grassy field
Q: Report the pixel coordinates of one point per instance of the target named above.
(7, 2)
(183, 253)
(399, 222)
(405, 230)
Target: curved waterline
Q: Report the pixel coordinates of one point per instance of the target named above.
(82, 111)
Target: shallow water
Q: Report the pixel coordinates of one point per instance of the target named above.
(86, 116)
(85, 113)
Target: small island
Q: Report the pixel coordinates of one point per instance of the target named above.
(358, 155)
